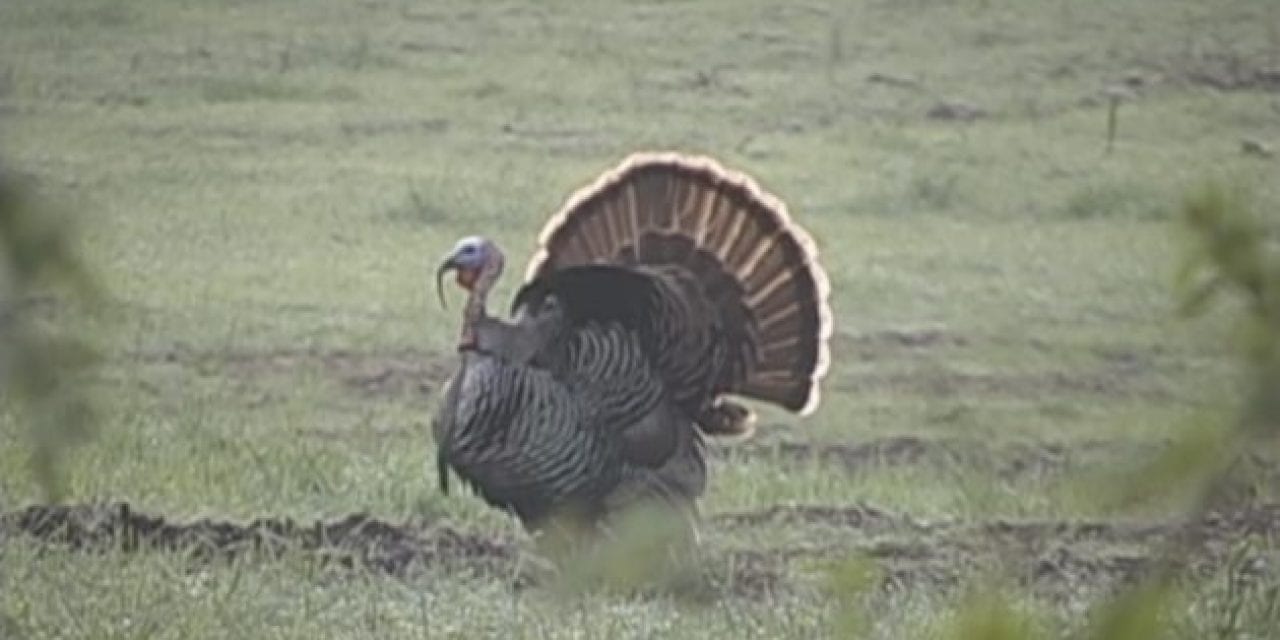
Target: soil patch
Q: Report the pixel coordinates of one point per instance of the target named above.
(876, 344)
(351, 542)
(1231, 73)
(1123, 373)
(354, 540)
(402, 372)
(1056, 559)
(940, 382)
(898, 450)
(1009, 461)
(863, 517)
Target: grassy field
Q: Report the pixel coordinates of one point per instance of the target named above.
(266, 185)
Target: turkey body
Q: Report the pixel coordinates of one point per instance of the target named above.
(578, 436)
(655, 293)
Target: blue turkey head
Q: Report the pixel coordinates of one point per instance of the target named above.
(470, 258)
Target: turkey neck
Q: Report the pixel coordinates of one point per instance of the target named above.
(476, 311)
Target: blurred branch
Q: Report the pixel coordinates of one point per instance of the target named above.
(1229, 254)
(39, 362)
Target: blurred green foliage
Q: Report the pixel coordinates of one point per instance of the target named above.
(1139, 613)
(990, 617)
(646, 546)
(849, 582)
(40, 358)
(1230, 252)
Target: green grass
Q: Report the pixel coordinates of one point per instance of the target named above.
(265, 187)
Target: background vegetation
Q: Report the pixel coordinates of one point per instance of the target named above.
(1015, 399)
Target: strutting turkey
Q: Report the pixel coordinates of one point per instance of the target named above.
(665, 286)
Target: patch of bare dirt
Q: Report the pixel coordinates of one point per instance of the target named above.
(1111, 380)
(1008, 461)
(863, 517)
(957, 110)
(1119, 372)
(894, 451)
(1212, 532)
(403, 372)
(871, 345)
(1223, 70)
(391, 375)
(746, 574)
(355, 540)
(1067, 568)
(396, 127)
(1054, 558)
(1233, 73)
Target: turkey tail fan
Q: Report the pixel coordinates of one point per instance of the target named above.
(756, 267)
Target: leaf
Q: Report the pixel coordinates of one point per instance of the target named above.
(848, 582)
(39, 368)
(1182, 468)
(1135, 614)
(991, 618)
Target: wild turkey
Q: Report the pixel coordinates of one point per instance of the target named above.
(655, 292)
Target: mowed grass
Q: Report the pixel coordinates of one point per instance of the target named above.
(265, 187)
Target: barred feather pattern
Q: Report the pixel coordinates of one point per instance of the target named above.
(541, 441)
(663, 308)
(517, 438)
(741, 304)
(613, 377)
(690, 348)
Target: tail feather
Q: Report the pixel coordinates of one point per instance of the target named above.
(755, 266)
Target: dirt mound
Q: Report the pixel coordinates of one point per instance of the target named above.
(869, 346)
(1216, 528)
(1008, 461)
(1229, 73)
(943, 382)
(356, 539)
(404, 372)
(882, 452)
(862, 517)
(1055, 558)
